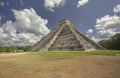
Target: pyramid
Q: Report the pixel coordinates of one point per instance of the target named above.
(65, 38)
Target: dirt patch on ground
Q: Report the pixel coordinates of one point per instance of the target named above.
(37, 66)
(12, 54)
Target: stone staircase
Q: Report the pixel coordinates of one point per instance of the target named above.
(66, 40)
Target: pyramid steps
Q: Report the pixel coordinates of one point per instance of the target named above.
(66, 41)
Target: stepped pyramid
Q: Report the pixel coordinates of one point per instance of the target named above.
(65, 37)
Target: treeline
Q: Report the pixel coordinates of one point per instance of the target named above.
(113, 43)
(14, 48)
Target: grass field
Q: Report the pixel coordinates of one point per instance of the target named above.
(65, 64)
(79, 53)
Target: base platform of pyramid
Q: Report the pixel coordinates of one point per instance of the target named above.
(65, 38)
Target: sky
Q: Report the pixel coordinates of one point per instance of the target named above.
(24, 22)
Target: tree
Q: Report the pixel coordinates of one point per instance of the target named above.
(113, 43)
(116, 41)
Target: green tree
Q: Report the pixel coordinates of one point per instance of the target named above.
(115, 41)
(112, 43)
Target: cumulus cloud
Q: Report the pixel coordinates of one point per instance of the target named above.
(89, 31)
(94, 39)
(2, 3)
(0, 20)
(21, 1)
(82, 2)
(0, 17)
(117, 9)
(7, 4)
(51, 4)
(107, 26)
(87, 35)
(26, 30)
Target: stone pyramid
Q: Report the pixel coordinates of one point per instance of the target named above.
(65, 37)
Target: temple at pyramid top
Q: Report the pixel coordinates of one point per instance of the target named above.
(65, 37)
(64, 22)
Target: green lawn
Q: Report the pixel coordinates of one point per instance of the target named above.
(78, 53)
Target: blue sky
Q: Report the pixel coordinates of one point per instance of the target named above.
(97, 19)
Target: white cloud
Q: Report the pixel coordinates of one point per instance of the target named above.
(51, 4)
(0, 17)
(1, 31)
(89, 31)
(94, 39)
(2, 3)
(21, 1)
(87, 35)
(0, 20)
(7, 4)
(117, 9)
(82, 2)
(26, 30)
(106, 26)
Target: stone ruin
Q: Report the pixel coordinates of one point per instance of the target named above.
(65, 38)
